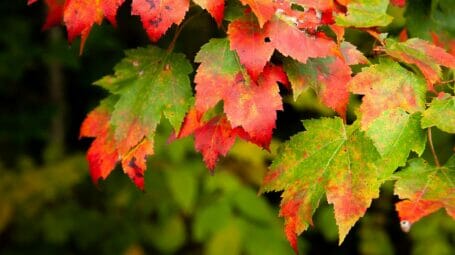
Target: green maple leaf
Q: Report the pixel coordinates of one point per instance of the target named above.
(395, 133)
(331, 158)
(441, 114)
(365, 13)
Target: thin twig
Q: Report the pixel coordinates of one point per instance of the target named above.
(179, 30)
(430, 141)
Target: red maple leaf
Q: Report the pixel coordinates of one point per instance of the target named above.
(158, 16)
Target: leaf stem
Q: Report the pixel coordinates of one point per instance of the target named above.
(179, 30)
(430, 141)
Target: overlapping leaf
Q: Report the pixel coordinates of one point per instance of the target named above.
(441, 114)
(425, 189)
(365, 13)
(147, 84)
(387, 86)
(329, 77)
(249, 104)
(329, 158)
(427, 57)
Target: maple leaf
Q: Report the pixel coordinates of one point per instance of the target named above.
(329, 77)
(441, 114)
(425, 189)
(148, 83)
(427, 57)
(331, 158)
(54, 13)
(351, 55)
(262, 9)
(157, 16)
(387, 86)
(214, 7)
(247, 103)
(250, 43)
(395, 133)
(365, 13)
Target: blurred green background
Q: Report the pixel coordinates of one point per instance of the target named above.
(48, 204)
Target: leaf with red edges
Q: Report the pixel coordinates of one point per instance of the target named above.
(214, 7)
(387, 86)
(329, 77)
(249, 104)
(425, 189)
(251, 44)
(426, 56)
(328, 158)
(158, 16)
